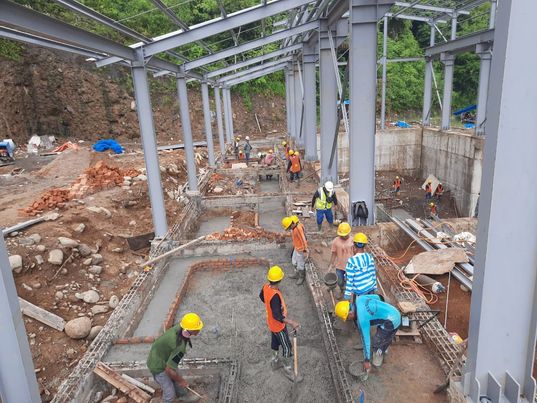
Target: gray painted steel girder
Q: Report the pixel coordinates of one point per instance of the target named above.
(503, 313)
(256, 75)
(310, 102)
(254, 60)
(17, 375)
(462, 44)
(207, 121)
(235, 50)
(254, 69)
(219, 123)
(217, 25)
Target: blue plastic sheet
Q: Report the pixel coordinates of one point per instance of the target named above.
(469, 126)
(402, 124)
(103, 145)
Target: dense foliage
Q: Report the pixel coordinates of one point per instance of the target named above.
(406, 39)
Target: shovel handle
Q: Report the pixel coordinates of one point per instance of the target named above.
(295, 354)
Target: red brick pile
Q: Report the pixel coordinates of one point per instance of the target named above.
(49, 200)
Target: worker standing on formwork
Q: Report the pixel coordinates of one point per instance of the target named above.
(342, 251)
(360, 270)
(247, 149)
(371, 310)
(294, 166)
(277, 320)
(323, 200)
(167, 352)
(300, 247)
(236, 147)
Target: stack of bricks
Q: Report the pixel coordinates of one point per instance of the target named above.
(47, 201)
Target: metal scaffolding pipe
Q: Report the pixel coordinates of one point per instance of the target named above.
(149, 145)
(207, 120)
(219, 123)
(187, 134)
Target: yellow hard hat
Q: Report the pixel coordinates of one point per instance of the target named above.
(396, 177)
(270, 151)
(429, 182)
(296, 153)
(284, 143)
(237, 138)
(291, 152)
(360, 237)
(286, 222)
(294, 218)
(342, 309)
(431, 204)
(191, 321)
(275, 274)
(344, 229)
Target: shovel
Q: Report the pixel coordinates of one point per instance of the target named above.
(297, 379)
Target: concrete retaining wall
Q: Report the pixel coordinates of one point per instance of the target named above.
(398, 150)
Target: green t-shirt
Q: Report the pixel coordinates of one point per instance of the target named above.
(165, 352)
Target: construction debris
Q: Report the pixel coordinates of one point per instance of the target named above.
(41, 315)
(125, 386)
(246, 234)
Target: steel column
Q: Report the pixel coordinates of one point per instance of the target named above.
(219, 123)
(503, 314)
(229, 136)
(384, 65)
(149, 144)
(363, 18)
(187, 134)
(428, 84)
(17, 375)
(292, 104)
(227, 99)
(328, 110)
(287, 102)
(485, 56)
(310, 104)
(207, 120)
(299, 134)
(449, 66)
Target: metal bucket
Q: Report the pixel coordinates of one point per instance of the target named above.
(330, 280)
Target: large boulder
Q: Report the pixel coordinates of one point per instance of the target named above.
(78, 328)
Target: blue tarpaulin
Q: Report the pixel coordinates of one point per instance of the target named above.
(464, 110)
(402, 123)
(103, 145)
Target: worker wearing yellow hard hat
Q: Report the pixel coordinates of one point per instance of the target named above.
(277, 321)
(370, 310)
(342, 249)
(300, 247)
(294, 165)
(166, 353)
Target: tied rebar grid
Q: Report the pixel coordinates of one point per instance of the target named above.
(432, 330)
(337, 369)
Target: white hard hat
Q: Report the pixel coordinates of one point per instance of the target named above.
(247, 137)
(329, 186)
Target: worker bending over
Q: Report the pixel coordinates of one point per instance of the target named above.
(360, 270)
(397, 185)
(300, 247)
(371, 310)
(323, 200)
(167, 352)
(294, 165)
(277, 320)
(342, 250)
(434, 212)
(269, 161)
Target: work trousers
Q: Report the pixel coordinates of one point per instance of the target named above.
(281, 339)
(384, 337)
(341, 278)
(298, 260)
(325, 213)
(170, 389)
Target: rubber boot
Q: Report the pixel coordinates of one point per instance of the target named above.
(185, 395)
(320, 227)
(289, 372)
(301, 277)
(294, 275)
(275, 362)
(377, 358)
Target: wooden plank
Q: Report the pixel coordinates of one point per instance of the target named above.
(141, 385)
(42, 315)
(116, 380)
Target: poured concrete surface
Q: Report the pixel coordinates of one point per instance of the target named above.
(269, 186)
(234, 316)
(270, 214)
(212, 224)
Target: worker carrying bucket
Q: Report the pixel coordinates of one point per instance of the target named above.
(371, 310)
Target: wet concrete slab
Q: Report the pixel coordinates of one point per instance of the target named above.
(269, 186)
(270, 214)
(212, 224)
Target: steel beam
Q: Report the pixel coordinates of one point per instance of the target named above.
(219, 123)
(414, 18)
(449, 66)
(292, 105)
(245, 47)
(384, 66)
(256, 75)
(299, 109)
(254, 69)
(217, 25)
(207, 121)
(310, 102)
(328, 107)
(338, 9)
(462, 44)
(287, 101)
(149, 144)
(427, 7)
(254, 60)
(187, 134)
(228, 113)
(503, 314)
(363, 18)
(485, 55)
(428, 84)
(17, 375)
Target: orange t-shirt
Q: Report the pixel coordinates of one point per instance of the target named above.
(344, 249)
(299, 238)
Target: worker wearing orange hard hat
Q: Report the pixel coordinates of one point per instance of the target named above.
(166, 353)
(277, 321)
(342, 249)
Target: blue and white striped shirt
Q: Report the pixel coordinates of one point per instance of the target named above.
(361, 275)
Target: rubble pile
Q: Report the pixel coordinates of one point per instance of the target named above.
(47, 201)
(246, 234)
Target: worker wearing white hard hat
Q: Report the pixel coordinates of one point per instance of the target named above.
(247, 148)
(323, 200)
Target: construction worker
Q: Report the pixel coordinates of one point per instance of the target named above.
(360, 270)
(236, 146)
(286, 149)
(323, 200)
(268, 161)
(294, 166)
(342, 250)
(433, 209)
(167, 352)
(371, 310)
(300, 247)
(439, 192)
(428, 191)
(397, 185)
(277, 320)
(247, 148)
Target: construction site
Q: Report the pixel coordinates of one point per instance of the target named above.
(109, 245)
